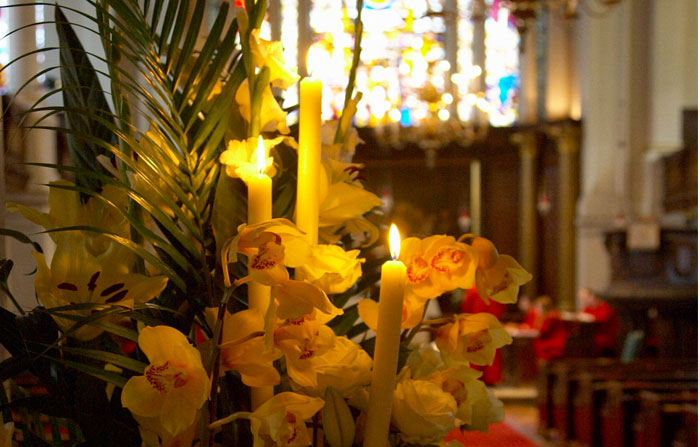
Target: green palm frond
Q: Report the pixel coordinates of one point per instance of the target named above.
(165, 69)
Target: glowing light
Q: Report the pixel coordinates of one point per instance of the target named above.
(260, 155)
(394, 241)
(483, 104)
(317, 61)
(394, 115)
(444, 65)
(444, 114)
(475, 71)
(420, 114)
(411, 102)
(447, 98)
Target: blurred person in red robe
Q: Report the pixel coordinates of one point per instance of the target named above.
(608, 330)
(472, 304)
(554, 332)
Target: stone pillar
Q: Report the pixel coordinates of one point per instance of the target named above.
(567, 139)
(527, 106)
(559, 67)
(475, 195)
(450, 41)
(479, 56)
(304, 37)
(527, 237)
(39, 144)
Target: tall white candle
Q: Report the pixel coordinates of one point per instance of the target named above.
(259, 210)
(386, 347)
(309, 158)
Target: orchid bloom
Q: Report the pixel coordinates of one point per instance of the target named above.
(281, 421)
(174, 386)
(461, 382)
(437, 264)
(302, 340)
(241, 160)
(498, 276)
(243, 349)
(77, 277)
(411, 316)
(472, 338)
(266, 245)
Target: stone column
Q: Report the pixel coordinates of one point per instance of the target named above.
(479, 56)
(567, 138)
(527, 237)
(527, 106)
(39, 144)
(475, 195)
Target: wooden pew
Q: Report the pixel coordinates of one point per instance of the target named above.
(624, 401)
(559, 386)
(663, 419)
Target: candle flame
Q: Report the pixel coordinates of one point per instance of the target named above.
(394, 241)
(260, 155)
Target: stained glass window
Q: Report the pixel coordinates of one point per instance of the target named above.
(405, 75)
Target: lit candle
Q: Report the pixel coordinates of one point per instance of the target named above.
(259, 210)
(309, 158)
(386, 347)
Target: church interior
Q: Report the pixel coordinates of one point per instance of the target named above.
(565, 131)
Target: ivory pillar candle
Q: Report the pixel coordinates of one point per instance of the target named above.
(386, 348)
(259, 210)
(309, 158)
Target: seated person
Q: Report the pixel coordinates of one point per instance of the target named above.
(553, 330)
(608, 330)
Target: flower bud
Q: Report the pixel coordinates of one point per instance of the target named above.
(338, 424)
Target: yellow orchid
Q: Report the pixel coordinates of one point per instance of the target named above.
(472, 338)
(272, 116)
(498, 277)
(461, 381)
(76, 276)
(174, 386)
(486, 411)
(240, 158)
(411, 317)
(265, 246)
(301, 341)
(153, 434)
(243, 349)
(331, 268)
(422, 412)
(344, 367)
(281, 421)
(437, 264)
(269, 54)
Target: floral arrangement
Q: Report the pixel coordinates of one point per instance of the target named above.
(147, 331)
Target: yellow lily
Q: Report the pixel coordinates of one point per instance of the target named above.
(498, 277)
(437, 264)
(472, 338)
(67, 210)
(243, 349)
(269, 53)
(273, 118)
(76, 276)
(240, 158)
(174, 386)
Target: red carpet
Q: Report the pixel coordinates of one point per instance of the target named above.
(500, 434)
